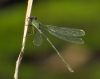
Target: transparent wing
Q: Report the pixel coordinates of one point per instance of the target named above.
(37, 39)
(65, 31)
(72, 39)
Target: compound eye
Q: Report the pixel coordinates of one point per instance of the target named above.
(35, 18)
(31, 18)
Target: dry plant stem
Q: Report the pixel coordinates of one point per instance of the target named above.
(28, 12)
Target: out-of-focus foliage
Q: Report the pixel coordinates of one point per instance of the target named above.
(43, 62)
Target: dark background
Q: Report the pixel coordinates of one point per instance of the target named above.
(42, 62)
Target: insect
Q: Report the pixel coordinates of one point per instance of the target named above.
(67, 34)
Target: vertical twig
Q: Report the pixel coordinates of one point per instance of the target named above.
(28, 12)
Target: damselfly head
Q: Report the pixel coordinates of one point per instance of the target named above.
(33, 18)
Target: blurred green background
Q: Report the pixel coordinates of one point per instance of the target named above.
(42, 62)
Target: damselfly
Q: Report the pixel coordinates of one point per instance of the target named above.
(67, 34)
